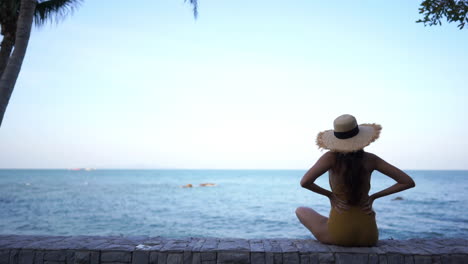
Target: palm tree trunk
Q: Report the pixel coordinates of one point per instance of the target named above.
(13, 67)
(5, 51)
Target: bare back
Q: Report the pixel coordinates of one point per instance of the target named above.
(337, 178)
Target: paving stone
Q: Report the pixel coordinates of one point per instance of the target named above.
(115, 247)
(458, 250)
(211, 244)
(116, 256)
(39, 257)
(4, 256)
(54, 262)
(310, 246)
(304, 258)
(314, 258)
(269, 257)
(291, 257)
(14, 256)
(48, 243)
(162, 258)
(196, 258)
(326, 258)
(383, 259)
(18, 249)
(233, 245)
(140, 257)
(209, 262)
(257, 257)
(70, 256)
(373, 259)
(267, 245)
(153, 258)
(4, 242)
(455, 259)
(190, 243)
(208, 256)
(346, 258)
(287, 245)
(196, 245)
(82, 257)
(409, 259)
(94, 257)
(436, 260)
(57, 255)
(278, 258)
(391, 247)
(187, 257)
(422, 260)
(256, 245)
(418, 247)
(26, 256)
(395, 259)
(359, 250)
(17, 244)
(233, 257)
(175, 246)
(275, 246)
(137, 239)
(175, 258)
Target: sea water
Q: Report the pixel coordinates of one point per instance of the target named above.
(242, 204)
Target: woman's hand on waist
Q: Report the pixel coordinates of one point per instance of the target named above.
(337, 203)
(366, 205)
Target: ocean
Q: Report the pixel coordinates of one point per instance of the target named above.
(241, 204)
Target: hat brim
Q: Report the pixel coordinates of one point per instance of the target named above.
(368, 133)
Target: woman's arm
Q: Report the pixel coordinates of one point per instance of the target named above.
(320, 167)
(403, 180)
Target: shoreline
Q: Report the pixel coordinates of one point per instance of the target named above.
(23, 249)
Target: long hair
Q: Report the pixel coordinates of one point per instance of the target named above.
(350, 166)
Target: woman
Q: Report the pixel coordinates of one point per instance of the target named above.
(352, 220)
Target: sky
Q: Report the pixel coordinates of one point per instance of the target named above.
(246, 85)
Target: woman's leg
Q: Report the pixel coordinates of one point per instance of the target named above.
(315, 222)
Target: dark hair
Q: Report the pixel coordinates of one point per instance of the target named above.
(350, 166)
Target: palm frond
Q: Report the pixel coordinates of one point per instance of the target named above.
(195, 7)
(54, 10)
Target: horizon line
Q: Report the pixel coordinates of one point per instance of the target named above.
(92, 169)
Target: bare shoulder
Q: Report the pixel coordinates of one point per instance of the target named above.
(328, 158)
(371, 156)
(371, 159)
(329, 155)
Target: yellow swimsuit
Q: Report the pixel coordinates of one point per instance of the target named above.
(352, 227)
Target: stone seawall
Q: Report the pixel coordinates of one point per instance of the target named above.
(16, 249)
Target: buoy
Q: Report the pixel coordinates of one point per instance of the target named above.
(207, 184)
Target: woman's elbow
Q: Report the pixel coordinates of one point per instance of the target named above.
(303, 183)
(411, 184)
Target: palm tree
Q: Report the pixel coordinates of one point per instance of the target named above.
(16, 19)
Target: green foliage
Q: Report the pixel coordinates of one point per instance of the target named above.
(452, 10)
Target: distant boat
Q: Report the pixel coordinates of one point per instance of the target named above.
(80, 169)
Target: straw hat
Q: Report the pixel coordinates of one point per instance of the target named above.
(347, 135)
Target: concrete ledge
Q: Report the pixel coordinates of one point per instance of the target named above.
(15, 249)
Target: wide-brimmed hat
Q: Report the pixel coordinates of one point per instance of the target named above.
(347, 135)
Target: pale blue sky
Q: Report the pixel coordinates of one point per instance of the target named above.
(247, 85)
